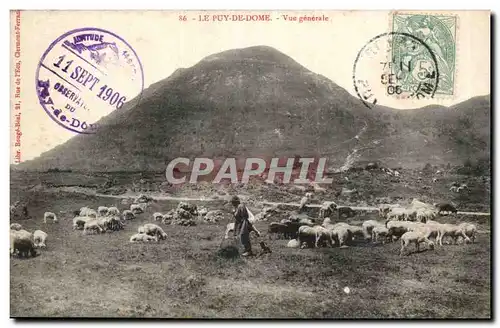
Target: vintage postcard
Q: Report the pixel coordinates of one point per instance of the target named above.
(250, 164)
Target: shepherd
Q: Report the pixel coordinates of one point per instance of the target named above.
(242, 226)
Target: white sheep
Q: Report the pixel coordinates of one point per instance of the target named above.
(79, 222)
(40, 238)
(152, 230)
(313, 234)
(451, 230)
(379, 231)
(368, 226)
(102, 211)
(50, 216)
(15, 226)
(86, 211)
(113, 211)
(294, 243)
(128, 215)
(304, 201)
(22, 241)
(416, 237)
(158, 216)
(104, 223)
(340, 235)
(138, 208)
(143, 237)
(469, 229)
(92, 226)
(229, 228)
(383, 209)
(397, 228)
(327, 209)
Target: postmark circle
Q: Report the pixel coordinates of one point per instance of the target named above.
(395, 65)
(86, 74)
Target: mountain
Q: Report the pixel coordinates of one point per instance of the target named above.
(260, 102)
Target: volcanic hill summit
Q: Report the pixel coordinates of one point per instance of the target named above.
(246, 102)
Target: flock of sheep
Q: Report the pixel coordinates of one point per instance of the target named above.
(104, 219)
(413, 224)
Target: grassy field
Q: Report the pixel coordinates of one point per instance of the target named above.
(182, 277)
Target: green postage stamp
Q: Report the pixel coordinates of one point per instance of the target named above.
(438, 33)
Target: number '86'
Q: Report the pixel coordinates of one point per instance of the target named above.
(107, 94)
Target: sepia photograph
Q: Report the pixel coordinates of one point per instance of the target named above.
(264, 164)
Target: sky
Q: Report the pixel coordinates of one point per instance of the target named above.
(164, 42)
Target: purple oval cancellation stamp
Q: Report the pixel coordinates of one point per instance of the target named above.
(84, 75)
(395, 65)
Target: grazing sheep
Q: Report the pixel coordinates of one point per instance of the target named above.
(345, 211)
(143, 199)
(86, 211)
(356, 231)
(340, 235)
(294, 243)
(397, 228)
(416, 237)
(454, 188)
(153, 230)
(396, 213)
(383, 209)
(445, 207)
(40, 238)
(15, 226)
(113, 211)
(102, 211)
(317, 188)
(22, 242)
(453, 231)
(157, 216)
(327, 209)
(49, 216)
(307, 235)
(422, 215)
(128, 215)
(79, 222)
(469, 229)
(13, 208)
(141, 237)
(110, 223)
(116, 223)
(92, 226)
(303, 202)
(431, 230)
(292, 229)
(91, 213)
(410, 215)
(368, 226)
(138, 208)
(202, 211)
(379, 231)
(317, 233)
